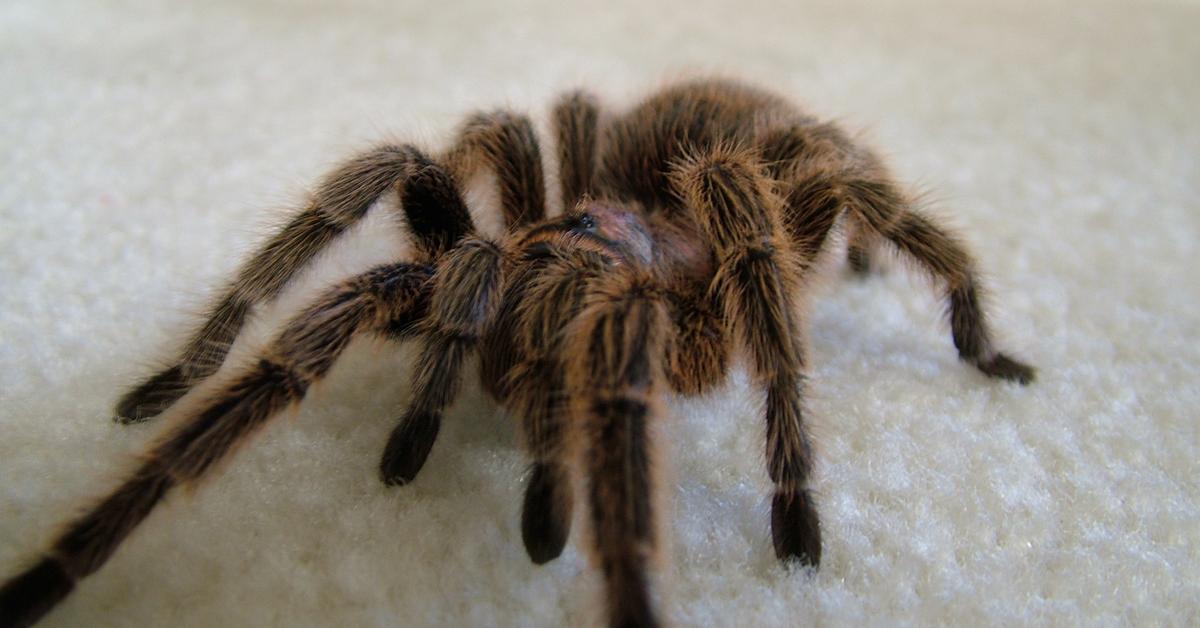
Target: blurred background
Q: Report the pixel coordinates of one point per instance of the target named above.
(146, 146)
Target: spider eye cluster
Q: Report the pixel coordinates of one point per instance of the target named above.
(585, 221)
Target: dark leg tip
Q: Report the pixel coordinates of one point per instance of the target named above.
(546, 515)
(629, 604)
(635, 619)
(152, 397)
(1003, 367)
(29, 596)
(795, 528)
(859, 260)
(408, 448)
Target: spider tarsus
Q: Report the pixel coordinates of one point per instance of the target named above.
(1003, 367)
(152, 397)
(629, 606)
(795, 528)
(138, 414)
(546, 514)
(408, 447)
(860, 261)
(29, 596)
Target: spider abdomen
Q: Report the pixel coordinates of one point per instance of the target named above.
(640, 148)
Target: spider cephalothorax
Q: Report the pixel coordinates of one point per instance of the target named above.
(692, 222)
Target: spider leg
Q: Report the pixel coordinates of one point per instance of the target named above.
(388, 299)
(466, 292)
(698, 354)
(546, 509)
(813, 203)
(733, 202)
(535, 390)
(464, 297)
(886, 212)
(858, 249)
(576, 119)
(506, 143)
(825, 172)
(342, 199)
(615, 349)
(806, 159)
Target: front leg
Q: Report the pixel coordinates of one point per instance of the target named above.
(468, 285)
(341, 201)
(614, 376)
(576, 129)
(465, 293)
(757, 280)
(535, 390)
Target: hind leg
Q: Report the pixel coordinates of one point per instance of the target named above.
(887, 213)
(469, 281)
(826, 174)
(860, 248)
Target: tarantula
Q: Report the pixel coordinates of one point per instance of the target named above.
(692, 222)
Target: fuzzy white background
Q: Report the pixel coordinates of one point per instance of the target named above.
(146, 146)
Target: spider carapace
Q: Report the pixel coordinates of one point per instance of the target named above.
(692, 222)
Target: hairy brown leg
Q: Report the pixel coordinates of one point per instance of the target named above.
(813, 203)
(500, 350)
(389, 299)
(698, 354)
(806, 159)
(535, 391)
(465, 295)
(859, 249)
(576, 118)
(615, 351)
(883, 209)
(733, 201)
(825, 171)
(341, 200)
(532, 388)
(467, 291)
(506, 143)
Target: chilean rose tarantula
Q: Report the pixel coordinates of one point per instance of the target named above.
(692, 223)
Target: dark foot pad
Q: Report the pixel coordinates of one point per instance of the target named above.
(628, 592)
(546, 515)
(860, 261)
(795, 528)
(1004, 367)
(152, 397)
(408, 447)
(29, 596)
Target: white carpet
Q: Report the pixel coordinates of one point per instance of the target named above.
(145, 146)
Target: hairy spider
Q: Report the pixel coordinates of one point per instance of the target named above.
(693, 220)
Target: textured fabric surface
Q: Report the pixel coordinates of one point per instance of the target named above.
(146, 146)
